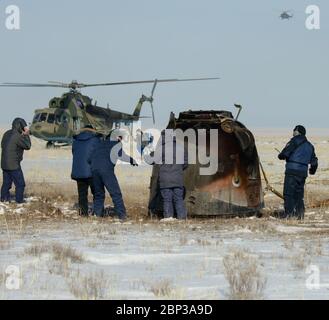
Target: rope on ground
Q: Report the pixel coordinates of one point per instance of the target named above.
(268, 186)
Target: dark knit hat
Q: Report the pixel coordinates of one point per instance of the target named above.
(301, 130)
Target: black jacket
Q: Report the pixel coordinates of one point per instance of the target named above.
(299, 154)
(13, 145)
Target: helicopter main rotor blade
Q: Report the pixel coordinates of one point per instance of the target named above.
(59, 83)
(31, 85)
(75, 85)
(142, 81)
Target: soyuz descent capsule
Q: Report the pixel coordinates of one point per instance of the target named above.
(236, 187)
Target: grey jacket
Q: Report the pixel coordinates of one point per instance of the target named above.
(13, 145)
(171, 173)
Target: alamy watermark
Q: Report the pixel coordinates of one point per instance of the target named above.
(313, 281)
(12, 277)
(12, 18)
(313, 17)
(173, 147)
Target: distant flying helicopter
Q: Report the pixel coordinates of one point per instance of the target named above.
(286, 15)
(66, 115)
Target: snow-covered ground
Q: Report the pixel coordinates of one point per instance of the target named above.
(136, 260)
(48, 252)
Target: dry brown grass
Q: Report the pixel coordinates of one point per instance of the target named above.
(244, 276)
(288, 243)
(59, 267)
(183, 241)
(162, 288)
(37, 250)
(262, 226)
(42, 205)
(93, 286)
(2, 278)
(319, 203)
(307, 251)
(58, 251)
(62, 253)
(203, 242)
(5, 244)
(300, 261)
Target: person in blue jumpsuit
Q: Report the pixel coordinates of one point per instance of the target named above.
(103, 160)
(82, 149)
(171, 175)
(300, 158)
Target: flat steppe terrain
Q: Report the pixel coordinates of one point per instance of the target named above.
(62, 256)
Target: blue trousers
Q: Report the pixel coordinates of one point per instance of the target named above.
(109, 181)
(173, 199)
(294, 196)
(10, 177)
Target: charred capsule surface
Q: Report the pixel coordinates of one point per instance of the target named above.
(235, 188)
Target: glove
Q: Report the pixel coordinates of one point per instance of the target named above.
(133, 162)
(281, 156)
(312, 171)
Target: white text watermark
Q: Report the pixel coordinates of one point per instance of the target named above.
(12, 17)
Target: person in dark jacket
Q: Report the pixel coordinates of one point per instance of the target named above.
(103, 162)
(300, 160)
(82, 148)
(13, 144)
(171, 175)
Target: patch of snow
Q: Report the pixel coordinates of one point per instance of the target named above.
(31, 199)
(295, 230)
(19, 210)
(165, 220)
(128, 259)
(242, 230)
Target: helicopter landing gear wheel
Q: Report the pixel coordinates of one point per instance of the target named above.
(50, 145)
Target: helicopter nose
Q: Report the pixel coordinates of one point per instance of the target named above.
(34, 129)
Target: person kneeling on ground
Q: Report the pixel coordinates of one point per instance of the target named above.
(103, 161)
(171, 175)
(13, 144)
(299, 154)
(82, 149)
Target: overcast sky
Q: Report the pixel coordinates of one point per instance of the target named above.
(278, 70)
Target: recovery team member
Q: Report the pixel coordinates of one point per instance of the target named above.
(173, 162)
(103, 161)
(82, 149)
(299, 155)
(13, 144)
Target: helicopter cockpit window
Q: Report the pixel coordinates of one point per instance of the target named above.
(36, 118)
(64, 121)
(58, 118)
(51, 118)
(43, 117)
